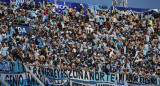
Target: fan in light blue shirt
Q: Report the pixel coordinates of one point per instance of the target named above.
(40, 44)
(150, 29)
(142, 16)
(149, 16)
(147, 38)
(1, 37)
(4, 51)
(158, 45)
(12, 32)
(99, 67)
(97, 19)
(65, 11)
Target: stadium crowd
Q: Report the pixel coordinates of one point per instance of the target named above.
(69, 39)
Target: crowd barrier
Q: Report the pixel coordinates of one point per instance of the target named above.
(15, 74)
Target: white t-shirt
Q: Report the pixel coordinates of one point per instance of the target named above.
(74, 50)
(54, 9)
(110, 54)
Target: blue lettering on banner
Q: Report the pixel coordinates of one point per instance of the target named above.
(4, 66)
(22, 29)
(16, 67)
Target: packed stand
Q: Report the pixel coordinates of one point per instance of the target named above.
(70, 39)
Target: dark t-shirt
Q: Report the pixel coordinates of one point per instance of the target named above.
(59, 26)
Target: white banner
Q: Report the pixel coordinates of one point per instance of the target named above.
(23, 79)
(136, 79)
(45, 73)
(13, 79)
(105, 84)
(73, 83)
(73, 74)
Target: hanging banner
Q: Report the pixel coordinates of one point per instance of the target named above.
(38, 1)
(22, 29)
(4, 66)
(5, 1)
(45, 80)
(16, 67)
(105, 84)
(80, 83)
(50, 76)
(55, 78)
(126, 9)
(54, 73)
(133, 9)
(136, 79)
(121, 83)
(14, 79)
(26, 79)
(11, 66)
